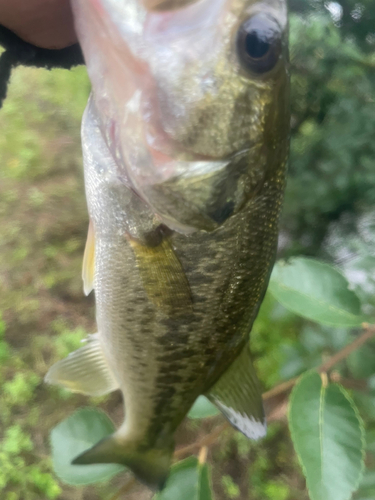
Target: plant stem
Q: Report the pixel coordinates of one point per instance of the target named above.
(204, 442)
(368, 333)
(124, 489)
(202, 457)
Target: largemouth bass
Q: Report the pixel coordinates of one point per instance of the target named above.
(185, 143)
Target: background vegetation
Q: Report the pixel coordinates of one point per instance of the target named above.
(328, 214)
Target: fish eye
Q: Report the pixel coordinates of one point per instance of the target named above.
(259, 43)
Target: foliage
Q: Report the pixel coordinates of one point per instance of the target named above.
(333, 123)
(75, 435)
(19, 478)
(189, 480)
(202, 408)
(317, 291)
(328, 436)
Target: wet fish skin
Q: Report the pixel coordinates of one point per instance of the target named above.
(184, 248)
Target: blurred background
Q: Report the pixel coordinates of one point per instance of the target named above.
(329, 213)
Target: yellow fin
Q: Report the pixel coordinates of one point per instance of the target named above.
(88, 268)
(163, 277)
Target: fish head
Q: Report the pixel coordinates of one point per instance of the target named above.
(192, 98)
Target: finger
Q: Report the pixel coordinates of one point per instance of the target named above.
(45, 23)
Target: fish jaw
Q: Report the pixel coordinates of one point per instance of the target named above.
(170, 95)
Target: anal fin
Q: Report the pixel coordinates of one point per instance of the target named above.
(85, 370)
(88, 267)
(238, 396)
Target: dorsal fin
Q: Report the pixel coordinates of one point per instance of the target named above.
(238, 396)
(163, 277)
(88, 267)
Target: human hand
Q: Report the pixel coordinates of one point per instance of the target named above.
(45, 23)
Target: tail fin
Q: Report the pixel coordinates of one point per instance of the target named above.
(150, 465)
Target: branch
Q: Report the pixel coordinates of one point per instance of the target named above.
(206, 441)
(369, 332)
(124, 489)
(280, 408)
(280, 389)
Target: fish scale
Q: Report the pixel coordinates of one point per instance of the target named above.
(184, 165)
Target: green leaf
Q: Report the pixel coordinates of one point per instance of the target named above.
(365, 402)
(328, 436)
(361, 362)
(368, 480)
(203, 408)
(205, 492)
(367, 487)
(188, 480)
(74, 435)
(315, 291)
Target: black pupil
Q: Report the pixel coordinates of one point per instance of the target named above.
(259, 43)
(256, 48)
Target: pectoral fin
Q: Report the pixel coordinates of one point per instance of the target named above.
(88, 267)
(238, 396)
(85, 370)
(163, 277)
